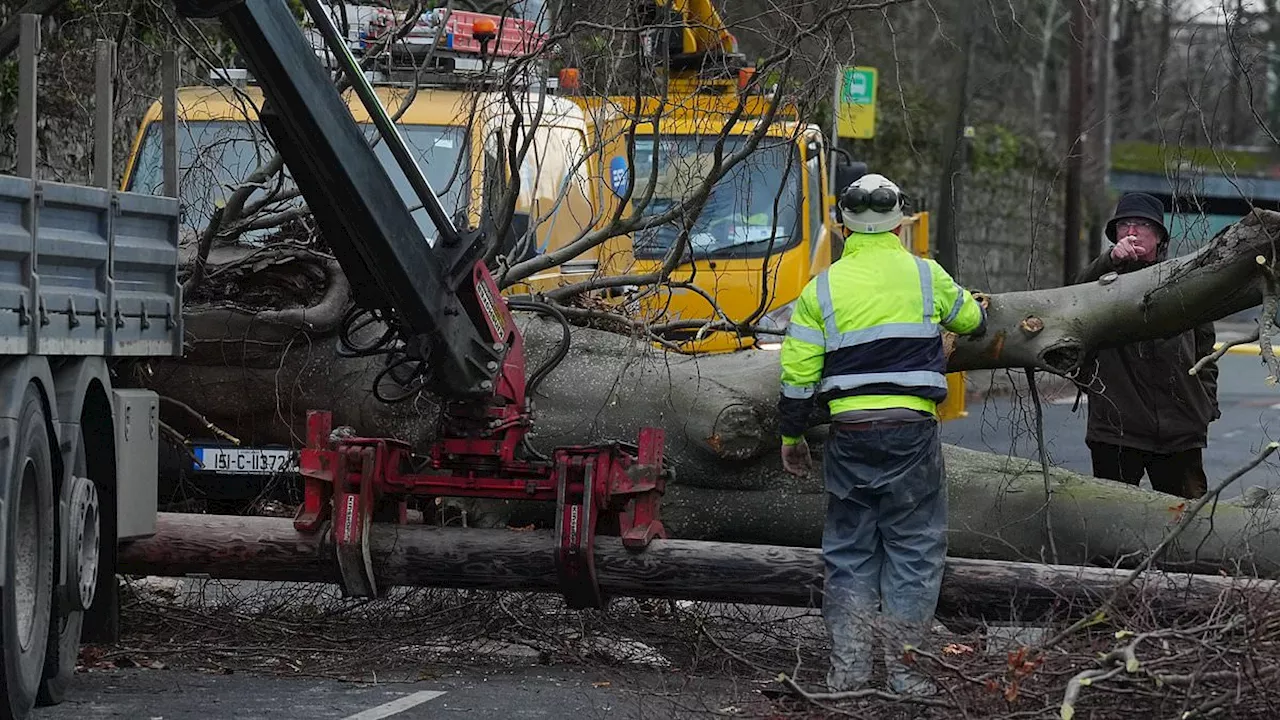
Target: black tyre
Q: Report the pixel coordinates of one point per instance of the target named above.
(26, 599)
(65, 622)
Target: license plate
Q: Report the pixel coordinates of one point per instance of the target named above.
(246, 461)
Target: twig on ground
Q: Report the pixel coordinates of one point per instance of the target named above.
(1087, 677)
(703, 629)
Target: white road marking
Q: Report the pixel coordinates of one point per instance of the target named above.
(396, 706)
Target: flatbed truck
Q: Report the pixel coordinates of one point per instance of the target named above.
(88, 276)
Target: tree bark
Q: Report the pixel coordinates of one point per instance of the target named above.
(1159, 301)
(269, 549)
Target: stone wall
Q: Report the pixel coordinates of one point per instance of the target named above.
(1009, 228)
(1010, 231)
(65, 99)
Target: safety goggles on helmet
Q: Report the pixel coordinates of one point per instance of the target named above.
(881, 200)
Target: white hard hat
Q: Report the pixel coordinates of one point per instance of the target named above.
(871, 204)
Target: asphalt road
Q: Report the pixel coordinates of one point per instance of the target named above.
(1250, 419)
(1003, 424)
(539, 692)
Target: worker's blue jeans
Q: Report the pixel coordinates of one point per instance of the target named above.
(884, 545)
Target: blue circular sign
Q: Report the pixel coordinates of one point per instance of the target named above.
(619, 175)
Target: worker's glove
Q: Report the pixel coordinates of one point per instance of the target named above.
(796, 458)
(984, 301)
(948, 343)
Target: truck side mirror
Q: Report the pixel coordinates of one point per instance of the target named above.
(847, 173)
(520, 228)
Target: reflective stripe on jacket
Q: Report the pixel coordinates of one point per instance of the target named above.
(866, 334)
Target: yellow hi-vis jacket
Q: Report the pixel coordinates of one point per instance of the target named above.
(866, 334)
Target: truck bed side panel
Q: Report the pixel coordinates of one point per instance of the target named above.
(147, 300)
(86, 271)
(71, 269)
(16, 334)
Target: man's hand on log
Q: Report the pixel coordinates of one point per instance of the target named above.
(949, 338)
(796, 458)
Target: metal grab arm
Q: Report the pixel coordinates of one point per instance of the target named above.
(422, 291)
(390, 134)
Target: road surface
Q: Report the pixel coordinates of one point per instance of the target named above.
(531, 692)
(1250, 419)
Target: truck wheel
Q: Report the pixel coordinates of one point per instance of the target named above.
(67, 619)
(26, 599)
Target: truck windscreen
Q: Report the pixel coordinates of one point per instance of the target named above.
(216, 156)
(753, 211)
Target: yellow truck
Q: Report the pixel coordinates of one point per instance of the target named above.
(768, 225)
(220, 144)
(766, 228)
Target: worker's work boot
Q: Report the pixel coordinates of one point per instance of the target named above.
(850, 623)
(904, 678)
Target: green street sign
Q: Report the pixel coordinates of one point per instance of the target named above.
(856, 109)
(859, 86)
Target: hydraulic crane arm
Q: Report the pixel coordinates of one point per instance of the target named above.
(443, 303)
(689, 36)
(382, 248)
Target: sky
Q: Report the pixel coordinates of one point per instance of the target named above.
(1206, 10)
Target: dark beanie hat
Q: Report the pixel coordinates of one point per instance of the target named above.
(1138, 205)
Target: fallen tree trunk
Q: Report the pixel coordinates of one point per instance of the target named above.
(1054, 329)
(269, 549)
(718, 411)
(256, 370)
(996, 511)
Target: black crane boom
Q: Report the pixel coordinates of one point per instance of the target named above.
(388, 259)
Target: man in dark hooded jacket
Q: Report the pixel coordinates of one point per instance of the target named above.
(1146, 413)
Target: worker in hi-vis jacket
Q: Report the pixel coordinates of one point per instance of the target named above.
(865, 338)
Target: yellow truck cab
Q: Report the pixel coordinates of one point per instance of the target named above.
(761, 233)
(460, 136)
